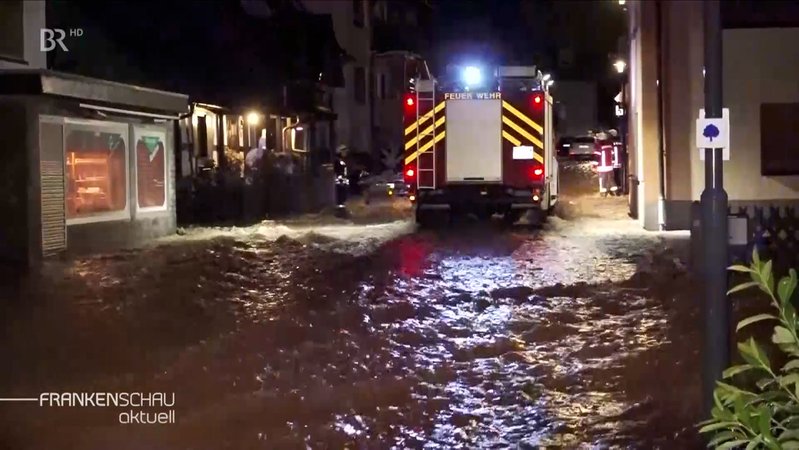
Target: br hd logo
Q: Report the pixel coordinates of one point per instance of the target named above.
(49, 38)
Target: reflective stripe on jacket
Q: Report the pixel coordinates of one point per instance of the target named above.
(604, 158)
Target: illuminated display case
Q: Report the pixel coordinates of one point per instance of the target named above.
(96, 177)
(150, 168)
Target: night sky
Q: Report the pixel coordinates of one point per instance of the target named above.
(529, 31)
(490, 32)
(499, 32)
(533, 32)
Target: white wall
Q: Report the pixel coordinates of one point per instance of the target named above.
(352, 125)
(760, 66)
(33, 20)
(683, 95)
(643, 138)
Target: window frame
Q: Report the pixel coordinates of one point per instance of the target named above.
(359, 91)
(382, 82)
(123, 129)
(358, 13)
(19, 53)
(151, 129)
(767, 165)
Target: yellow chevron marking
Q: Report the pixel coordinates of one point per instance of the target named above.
(524, 133)
(523, 117)
(422, 119)
(511, 139)
(429, 129)
(425, 147)
(517, 142)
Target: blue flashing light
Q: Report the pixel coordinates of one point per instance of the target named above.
(472, 76)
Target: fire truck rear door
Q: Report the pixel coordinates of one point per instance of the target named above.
(474, 141)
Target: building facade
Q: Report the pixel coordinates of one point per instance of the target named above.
(20, 25)
(352, 24)
(576, 107)
(393, 71)
(666, 91)
(90, 162)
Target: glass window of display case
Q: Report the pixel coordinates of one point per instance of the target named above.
(96, 165)
(151, 166)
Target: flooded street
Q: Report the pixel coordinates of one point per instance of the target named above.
(582, 333)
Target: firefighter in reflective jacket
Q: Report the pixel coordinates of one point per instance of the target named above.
(342, 180)
(604, 168)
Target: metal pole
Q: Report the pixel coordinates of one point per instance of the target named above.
(625, 170)
(716, 350)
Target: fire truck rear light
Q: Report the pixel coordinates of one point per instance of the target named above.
(537, 99)
(412, 198)
(409, 101)
(410, 173)
(536, 198)
(538, 172)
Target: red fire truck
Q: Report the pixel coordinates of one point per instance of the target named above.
(481, 146)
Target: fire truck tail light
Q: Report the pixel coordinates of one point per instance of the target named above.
(538, 99)
(409, 100)
(538, 171)
(409, 173)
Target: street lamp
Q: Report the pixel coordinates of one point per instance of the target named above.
(621, 112)
(620, 65)
(252, 120)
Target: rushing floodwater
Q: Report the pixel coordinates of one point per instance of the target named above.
(473, 338)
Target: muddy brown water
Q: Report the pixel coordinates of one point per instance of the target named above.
(473, 338)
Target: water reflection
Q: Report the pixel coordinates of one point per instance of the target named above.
(473, 340)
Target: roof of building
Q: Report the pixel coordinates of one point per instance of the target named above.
(48, 82)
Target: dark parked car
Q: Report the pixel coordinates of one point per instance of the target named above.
(564, 145)
(583, 147)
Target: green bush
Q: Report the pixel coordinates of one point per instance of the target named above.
(764, 414)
